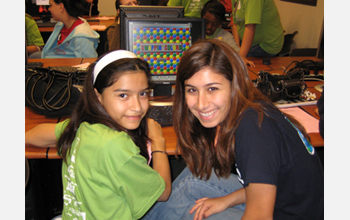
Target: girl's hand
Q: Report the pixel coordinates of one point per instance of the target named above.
(156, 134)
(248, 62)
(160, 160)
(205, 207)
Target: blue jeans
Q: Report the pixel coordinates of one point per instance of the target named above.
(186, 189)
(257, 51)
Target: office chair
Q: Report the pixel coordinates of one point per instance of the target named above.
(287, 45)
(26, 171)
(112, 37)
(303, 52)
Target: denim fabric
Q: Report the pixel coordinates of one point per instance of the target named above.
(186, 189)
(257, 51)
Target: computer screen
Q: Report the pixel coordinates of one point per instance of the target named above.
(162, 42)
(147, 12)
(42, 2)
(38, 8)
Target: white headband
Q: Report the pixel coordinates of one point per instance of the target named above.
(109, 58)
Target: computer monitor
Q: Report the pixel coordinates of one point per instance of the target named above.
(38, 8)
(42, 2)
(147, 12)
(162, 42)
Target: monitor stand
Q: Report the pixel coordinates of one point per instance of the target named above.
(162, 90)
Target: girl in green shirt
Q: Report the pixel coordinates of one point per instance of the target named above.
(106, 143)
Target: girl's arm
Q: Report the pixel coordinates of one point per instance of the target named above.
(160, 160)
(42, 135)
(247, 40)
(205, 207)
(247, 36)
(235, 34)
(260, 201)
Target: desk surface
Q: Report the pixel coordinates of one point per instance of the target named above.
(278, 63)
(94, 21)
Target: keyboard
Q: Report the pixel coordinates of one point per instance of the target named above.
(162, 112)
(65, 69)
(34, 64)
(46, 24)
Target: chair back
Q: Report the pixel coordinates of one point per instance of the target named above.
(287, 45)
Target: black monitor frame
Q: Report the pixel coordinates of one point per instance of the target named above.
(197, 31)
(33, 10)
(126, 11)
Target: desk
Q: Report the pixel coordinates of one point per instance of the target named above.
(93, 21)
(32, 119)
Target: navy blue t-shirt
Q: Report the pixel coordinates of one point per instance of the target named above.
(275, 154)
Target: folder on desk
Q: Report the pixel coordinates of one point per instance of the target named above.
(309, 122)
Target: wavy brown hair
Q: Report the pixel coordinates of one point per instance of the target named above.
(89, 108)
(196, 142)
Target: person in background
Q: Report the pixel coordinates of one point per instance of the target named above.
(113, 31)
(214, 14)
(192, 8)
(72, 35)
(224, 123)
(259, 28)
(108, 143)
(92, 8)
(34, 39)
(118, 3)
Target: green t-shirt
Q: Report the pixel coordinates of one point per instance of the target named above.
(192, 8)
(106, 177)
(269, 31)
(33, 35)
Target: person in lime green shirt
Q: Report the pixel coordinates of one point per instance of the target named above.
(108, 143)
(259, 27)
(192, 8)
(34, 39)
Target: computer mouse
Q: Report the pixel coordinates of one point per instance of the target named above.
(266, 61)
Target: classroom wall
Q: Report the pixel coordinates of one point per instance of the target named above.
(307, 20)
(107, 7)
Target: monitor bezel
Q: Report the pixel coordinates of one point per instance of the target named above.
(164, 21)
(127, 11)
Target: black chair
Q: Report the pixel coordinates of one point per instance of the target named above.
(303, 52)
(287, 45)
(26, 171)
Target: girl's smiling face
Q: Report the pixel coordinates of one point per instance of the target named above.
(126, 101)
(207, 96)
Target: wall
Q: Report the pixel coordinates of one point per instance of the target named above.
(305, 19)
(107, 7)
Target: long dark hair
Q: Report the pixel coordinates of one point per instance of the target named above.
(196, 142)
(74, 8)
(89, 108)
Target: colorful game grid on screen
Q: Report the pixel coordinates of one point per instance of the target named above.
(162, 46)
